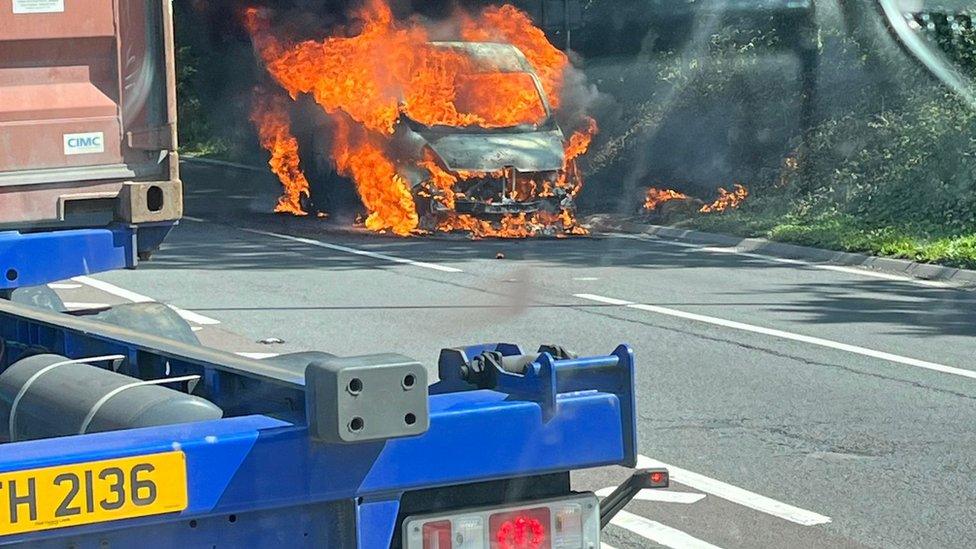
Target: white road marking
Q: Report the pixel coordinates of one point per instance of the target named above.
(735, 494)
(224, 163)
(63, 286)
(257, 356)
(196, 328)
(828, 267)
(139, 298)
(606, 546)
(664, 496)
(855, 349)
(346, 249)
(606, 300)
(586, 278)
(81, 305)
(659, 533)
(822, 266)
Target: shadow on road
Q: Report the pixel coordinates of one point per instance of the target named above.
(232, 200)
(908, 308)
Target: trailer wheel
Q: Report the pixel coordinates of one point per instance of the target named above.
(150, 318)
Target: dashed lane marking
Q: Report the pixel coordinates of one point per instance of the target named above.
(63, 286)
(106, 287)
(855, 349)
(822, 266)
(356, 251)
(345, 249)
(82, 305)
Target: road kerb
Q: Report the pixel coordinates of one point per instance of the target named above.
(761, 246)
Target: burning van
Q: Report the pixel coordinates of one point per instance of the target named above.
(485, 167)
(432, 135)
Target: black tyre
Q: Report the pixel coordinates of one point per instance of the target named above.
(329, 192)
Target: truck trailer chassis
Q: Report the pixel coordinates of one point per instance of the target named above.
(273, 471)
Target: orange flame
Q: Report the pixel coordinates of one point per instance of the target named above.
(366, 82)
(270, 115)
(442, 181)
(727, 200)
(656, 197)
(578, 143)
(387, 198)
(516, 226)
(509, 25)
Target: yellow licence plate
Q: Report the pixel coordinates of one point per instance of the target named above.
(96, 491)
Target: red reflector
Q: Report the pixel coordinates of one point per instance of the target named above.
(524, 529)
(437, 535)
(659, 477)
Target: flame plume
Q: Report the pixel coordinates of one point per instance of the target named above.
(366, 83)
(270, 115)
(727, 200)
(655, 197)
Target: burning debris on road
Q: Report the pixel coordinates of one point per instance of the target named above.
(655, 199)
(435, 134)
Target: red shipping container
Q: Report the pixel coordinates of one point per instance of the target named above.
(87, 113)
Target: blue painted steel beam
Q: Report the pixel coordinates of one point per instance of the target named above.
(250, 463)
(32, 259)
(562, 415)
(36, 258)
(376, 522)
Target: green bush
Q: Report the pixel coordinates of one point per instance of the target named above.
(196, 132)
(897, 183)
(954, 34)
(896, 178)
(911, 168)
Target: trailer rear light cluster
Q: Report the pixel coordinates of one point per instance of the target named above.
(565, 523)
(657, 479)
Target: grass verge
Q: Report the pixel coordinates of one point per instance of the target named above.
(843, 232)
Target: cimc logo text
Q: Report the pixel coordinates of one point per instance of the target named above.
(84, 143)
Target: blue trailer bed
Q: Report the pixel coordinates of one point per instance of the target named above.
(260, 477)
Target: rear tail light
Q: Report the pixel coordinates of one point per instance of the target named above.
(437, 535)
(657, 478)
(566, 523)
(523, 529)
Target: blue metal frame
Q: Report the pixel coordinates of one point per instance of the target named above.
(256, 479)
(36, 258)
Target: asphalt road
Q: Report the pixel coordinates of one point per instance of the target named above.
(799, 406)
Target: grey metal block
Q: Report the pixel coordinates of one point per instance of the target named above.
(363, 398)
(151, 201)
